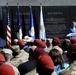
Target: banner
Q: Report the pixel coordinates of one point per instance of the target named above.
(42, 27)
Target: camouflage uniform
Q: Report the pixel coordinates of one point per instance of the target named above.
(21, 58)
(71, 70)
(58, 48)
(33, 72)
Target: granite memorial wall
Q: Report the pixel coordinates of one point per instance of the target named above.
(57, 20)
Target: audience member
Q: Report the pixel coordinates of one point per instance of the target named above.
(29, 42)
(8, 56)
(71, 55)
(59, 63)
(44, 65)
(39, 43)
(49, 45)
(55, 44)
(4, 68)
(64, 45)
(27, 66)
(33, 72)
(20, 56)
(34, 52)
(43, 62)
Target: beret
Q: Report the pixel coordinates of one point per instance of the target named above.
(2, 42)
(65, 44)
(2, 58)
(38, 51)
(72, 48)
(73, 40)
(21, 43)
(6, 70)
(56, 39)
(46, 61)
(39, 43)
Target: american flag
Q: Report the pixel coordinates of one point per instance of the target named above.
(19, 27)
(8, 29)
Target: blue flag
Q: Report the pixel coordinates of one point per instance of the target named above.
(31, 25)
(19, 27)
(42, 33)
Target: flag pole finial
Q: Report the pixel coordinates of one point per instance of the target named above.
(40, 4)
(30, 6)
(7, 4)
(18, 5)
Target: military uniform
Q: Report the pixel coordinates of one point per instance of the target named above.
(71, 70)
(33, 72)
(58, 48)
(21, 58)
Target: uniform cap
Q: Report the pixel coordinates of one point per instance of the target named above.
(38, 51)
(56, 39)
(2, 59)
(72, 48)
(2, 43)
(39, 43)
(21, 43)
(46, 61)
(73, 40)
(6, 70)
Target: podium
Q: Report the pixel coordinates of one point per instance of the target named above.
(71, 35)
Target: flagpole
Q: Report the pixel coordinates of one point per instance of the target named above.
(30, 6)
(18, 5)
(31, 31)
(42, 33)
(7, 4)
(8, 37)
(19, 27)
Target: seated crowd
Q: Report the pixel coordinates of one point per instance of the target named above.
(38, 57)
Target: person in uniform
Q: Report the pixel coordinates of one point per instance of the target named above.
(20, 56)
(59, 61)
(4, 68)
(55, 44)
(71, 55)
(8, 56)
